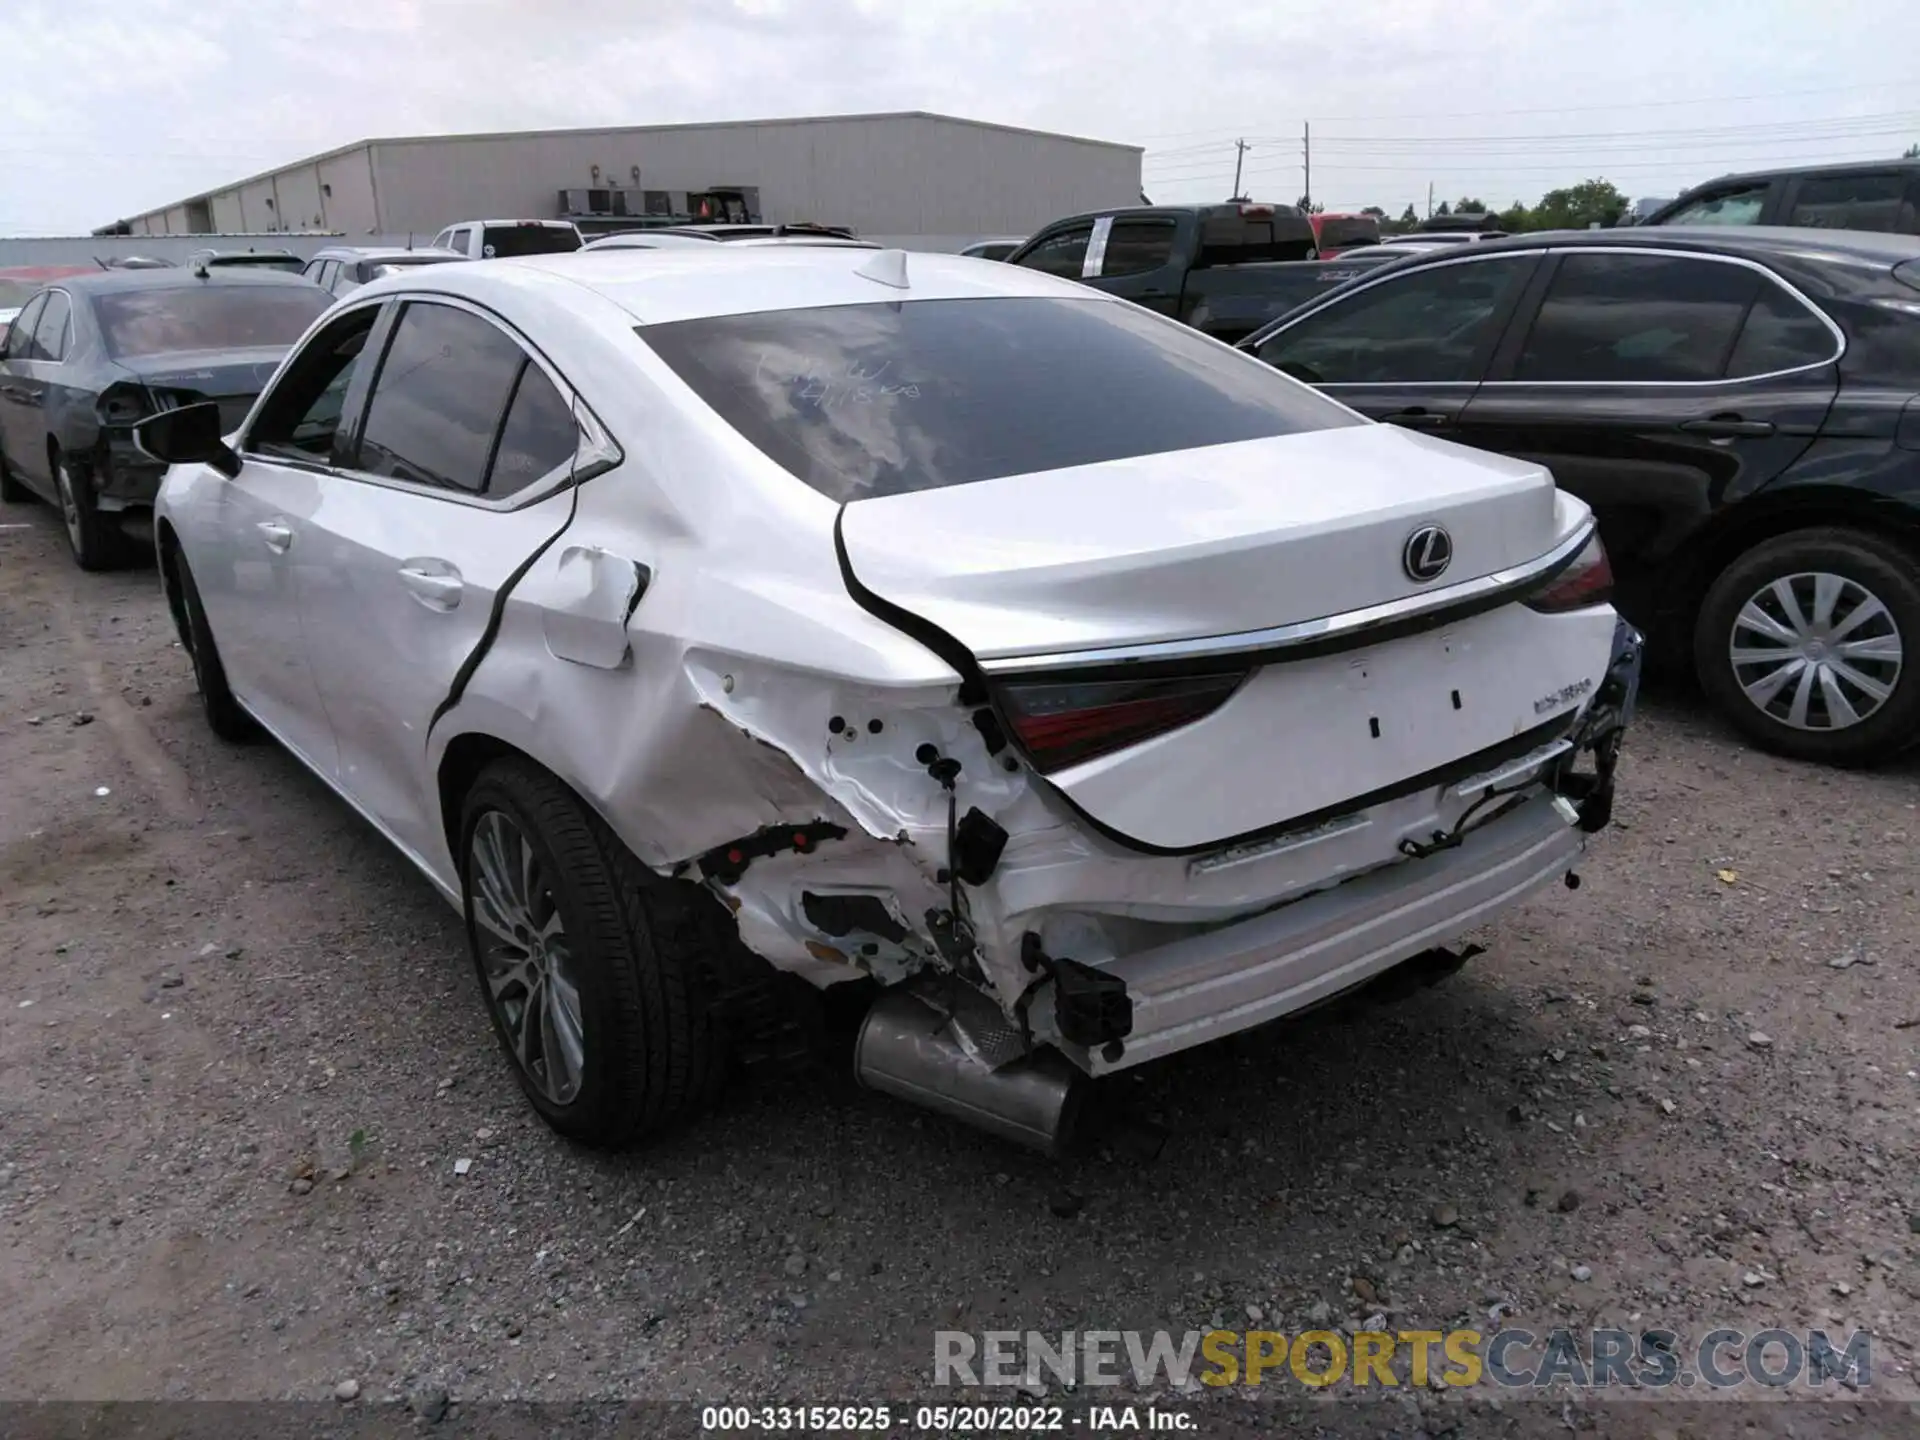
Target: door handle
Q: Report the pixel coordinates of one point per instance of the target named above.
(277, 536)
(435, 589)
(1727, 427)
(1416, 419)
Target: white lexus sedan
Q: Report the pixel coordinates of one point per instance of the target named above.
(715, 630)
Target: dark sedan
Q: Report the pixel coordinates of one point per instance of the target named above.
(92, 355)
(1740, 407)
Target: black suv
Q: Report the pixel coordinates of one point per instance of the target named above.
(1881, 195)
(1740, 407)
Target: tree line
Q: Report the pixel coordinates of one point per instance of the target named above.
(1572, 207)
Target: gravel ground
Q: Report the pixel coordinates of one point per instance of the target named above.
(256, 1141)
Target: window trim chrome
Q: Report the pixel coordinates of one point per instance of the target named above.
(596, 452)
(1344, 294)
(1348, 625)
(1793, 291)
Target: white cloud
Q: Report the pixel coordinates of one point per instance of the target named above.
(111, 108)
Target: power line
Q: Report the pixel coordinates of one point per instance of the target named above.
(1613, 106)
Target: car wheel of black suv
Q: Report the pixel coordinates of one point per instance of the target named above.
(1810, 644)
(592, 967)
(95, 543)
(225, 716)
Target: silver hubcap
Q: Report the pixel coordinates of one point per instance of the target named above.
(525, 958)
(69, 505)
(1816, 651)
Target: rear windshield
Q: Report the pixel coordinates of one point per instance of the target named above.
(206, 317)
(503, 240)
(292, 264)
(1337, 233)
(882, 399)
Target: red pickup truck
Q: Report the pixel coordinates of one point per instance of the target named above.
(1334, 233)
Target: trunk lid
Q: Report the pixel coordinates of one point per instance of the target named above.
(1197, 747)
(1209, 542)
(232, 378)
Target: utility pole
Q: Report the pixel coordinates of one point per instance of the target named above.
(1429, 199)
(1240, 148)
(1306, 155)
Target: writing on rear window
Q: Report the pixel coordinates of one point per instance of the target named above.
(826, 388)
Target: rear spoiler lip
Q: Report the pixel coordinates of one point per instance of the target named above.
(1305, 639)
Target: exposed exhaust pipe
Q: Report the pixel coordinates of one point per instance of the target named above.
(907, 1049)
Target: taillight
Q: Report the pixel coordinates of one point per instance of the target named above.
(1064, 723)
(124, 403)
(1587, 581)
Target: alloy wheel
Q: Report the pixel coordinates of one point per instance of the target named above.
(69, 506)
(1815, 651)
(526, 960)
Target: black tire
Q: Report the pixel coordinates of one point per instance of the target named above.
(638, 957)
(225, 717)
(95, 542)
(1887, 572)
(12, 492)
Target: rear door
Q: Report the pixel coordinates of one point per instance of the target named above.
(1658, 387)
(19, 418)
(1409, 348)
(1138, 258)
(458, 472)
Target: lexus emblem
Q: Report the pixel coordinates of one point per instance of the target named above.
(1427, 553)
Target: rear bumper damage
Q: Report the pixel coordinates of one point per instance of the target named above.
(937, 865)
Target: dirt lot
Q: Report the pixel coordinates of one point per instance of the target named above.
(241, 1052)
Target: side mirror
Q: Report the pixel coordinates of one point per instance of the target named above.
(190, 435)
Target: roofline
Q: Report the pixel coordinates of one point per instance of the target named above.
(374, 142)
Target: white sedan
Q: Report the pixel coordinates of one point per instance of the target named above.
(714, 630)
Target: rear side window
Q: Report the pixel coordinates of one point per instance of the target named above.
(1852, 202)
(1433, 326)
(1638, 317)
(1061, 254)
(50, 335)
(501, 241)
(1780, 334)
(1726, 207)
(20, 333)
(1137, 246)
(206, 316)
(537, 437)
(438, 399)
(882, 399)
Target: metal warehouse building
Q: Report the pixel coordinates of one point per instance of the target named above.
(905, 175)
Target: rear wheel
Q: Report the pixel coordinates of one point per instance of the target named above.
(225, 717)
(96, 545)
(1807, 643)
(591, 966)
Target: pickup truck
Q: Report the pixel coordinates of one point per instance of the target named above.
(1209, 265)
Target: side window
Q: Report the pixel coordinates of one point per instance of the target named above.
(462, 240)
(1850, 202)
(1435, 325)
(347, 279)
(20, 333)
(1061, 253)
(312, 271)
(438, 398)
(1727, 207)
(300, 419)
(1780, 334)
(328, 274)
(1137, 246)
(1638, 317)
(538, 436)
(441, 240)
(55, 325)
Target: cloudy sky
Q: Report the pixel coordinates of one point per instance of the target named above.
(112, 107)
